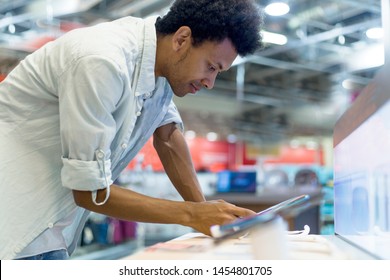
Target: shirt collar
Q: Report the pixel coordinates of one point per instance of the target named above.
(147, 81)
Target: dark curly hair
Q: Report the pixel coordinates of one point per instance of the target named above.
(215, 20)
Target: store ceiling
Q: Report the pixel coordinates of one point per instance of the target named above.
(280, 92)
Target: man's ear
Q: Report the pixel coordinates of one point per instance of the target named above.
(182, 38)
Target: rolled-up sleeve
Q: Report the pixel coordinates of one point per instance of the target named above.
(173, 116)
(92, 175)
(88, 93)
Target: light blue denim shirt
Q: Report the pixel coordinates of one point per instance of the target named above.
(72, 116)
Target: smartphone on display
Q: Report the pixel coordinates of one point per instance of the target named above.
(291, 205)
(239, 226)
(242, 225)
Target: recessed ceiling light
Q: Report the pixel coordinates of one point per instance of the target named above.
(347, 84)
(232, 138)
(190, 134)
(274, 38)
(341, 39)
(11, 28)
(212, 136)
(375, 33)
(277, 9)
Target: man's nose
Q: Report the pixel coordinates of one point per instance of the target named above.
(209, 82)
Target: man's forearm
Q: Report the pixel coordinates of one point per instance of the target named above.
(176, 159)
(128, 205)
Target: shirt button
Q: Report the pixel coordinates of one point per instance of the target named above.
(138, 113)
(50, 225)
(17, 250)
(100, 155)
(124, 146)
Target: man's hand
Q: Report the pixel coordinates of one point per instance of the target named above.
(128, 205)
(215, 212)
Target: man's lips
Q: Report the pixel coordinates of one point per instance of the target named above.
(194, 88)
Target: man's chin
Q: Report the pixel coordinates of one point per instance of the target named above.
(181, 94)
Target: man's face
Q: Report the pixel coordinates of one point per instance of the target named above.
(197, 67)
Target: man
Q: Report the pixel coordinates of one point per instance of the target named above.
(76, 111)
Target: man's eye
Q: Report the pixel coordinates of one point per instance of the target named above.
(212, 68)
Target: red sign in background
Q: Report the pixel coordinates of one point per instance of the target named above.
(214, 156)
